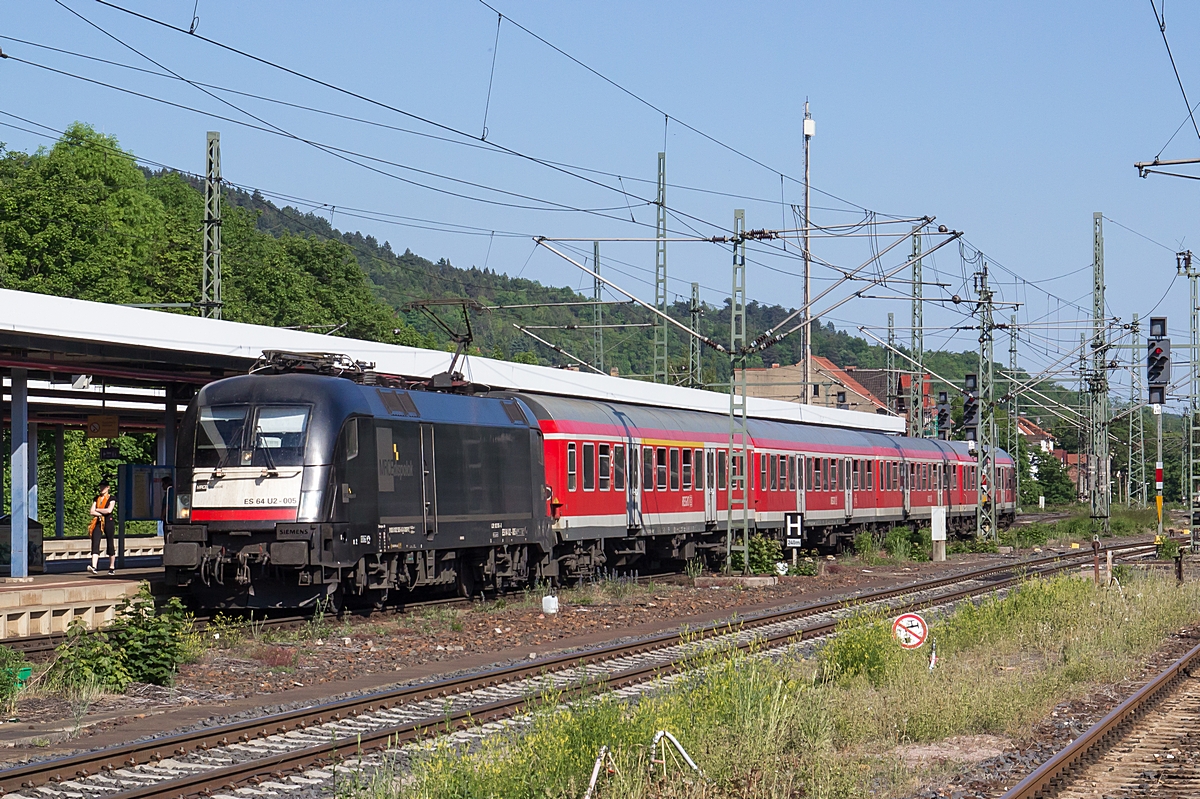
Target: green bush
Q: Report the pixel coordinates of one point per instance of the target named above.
(807, 565)
(87, 659)
(11, 663)
(1168, 548)
(153, 641)
(143, 644)
(764, 554)
(863, 646)
(897, 543)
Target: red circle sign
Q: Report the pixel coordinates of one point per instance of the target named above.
(910, 630)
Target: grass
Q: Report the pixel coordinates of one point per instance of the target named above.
(1078, 527)
(824, 726)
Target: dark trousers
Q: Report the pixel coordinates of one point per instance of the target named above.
(103, 527)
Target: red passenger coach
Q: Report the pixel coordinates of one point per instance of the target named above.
(627, 480)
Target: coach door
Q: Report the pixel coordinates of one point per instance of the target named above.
(906, 482)
(848, 480)
(710, 484)
(633, 491)
(428, 480)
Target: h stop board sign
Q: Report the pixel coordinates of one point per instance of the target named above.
(910, 630)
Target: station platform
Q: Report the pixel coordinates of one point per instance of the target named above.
(48, 603)
(80, 547)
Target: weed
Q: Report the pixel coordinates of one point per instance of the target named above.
(87, 659)
(806, 565)
(863, 646)
(317, 625)
(143, 644)
(152, 641)
(864, 545)
(694, 567)
(40, 743)
(765, 552)
(275, 656)
(226, 632)
(1168, 548)
(897, 543)
(81, 695)
(11, 663)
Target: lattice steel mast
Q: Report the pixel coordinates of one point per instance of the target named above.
(1098, 461)
(985, 519)
(1137, 428)
(597, 312)
(737, 525)
(1183, 264)
(695, 379)
(661, 368)
(210, 283)
(890, 370)
(916, 388)
(1014, 410)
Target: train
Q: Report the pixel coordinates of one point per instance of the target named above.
(298, 488)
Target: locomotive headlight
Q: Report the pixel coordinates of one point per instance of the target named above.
(183, 506)
(310, 507)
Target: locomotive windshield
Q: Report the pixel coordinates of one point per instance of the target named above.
(279, 436)
(276, 439)
(219, 435)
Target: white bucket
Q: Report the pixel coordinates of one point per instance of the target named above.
(549, 605)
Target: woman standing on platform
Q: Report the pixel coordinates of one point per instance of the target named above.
(102, 524)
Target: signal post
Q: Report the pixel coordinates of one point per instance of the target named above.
(1158, 377)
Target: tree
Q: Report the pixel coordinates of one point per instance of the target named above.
(1053, 481)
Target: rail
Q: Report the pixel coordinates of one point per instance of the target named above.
(1053, 775)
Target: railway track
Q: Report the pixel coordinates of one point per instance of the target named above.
(276, 752)
(1148, 746)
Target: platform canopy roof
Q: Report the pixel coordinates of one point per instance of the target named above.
(139, 347)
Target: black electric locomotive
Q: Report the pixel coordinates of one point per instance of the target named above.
(298, 488)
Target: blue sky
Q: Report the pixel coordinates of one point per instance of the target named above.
(1010, 121)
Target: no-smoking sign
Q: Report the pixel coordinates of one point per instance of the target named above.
(910, 630)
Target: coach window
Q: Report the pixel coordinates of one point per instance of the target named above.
(605, 466)
(792, 474)
(687, 470)
(870, 474)
(619, 467)
(854, 470)
(722, 470)
(647, 469)
(660, 464)
(783, 472)
(633, 468)
(589, 467)
(698, 469)
(571, 466)
(774, 472)
(674, 469)
(811, 482)
(831, 479)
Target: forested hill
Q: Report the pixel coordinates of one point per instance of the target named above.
(402, 277)
(80, 219)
